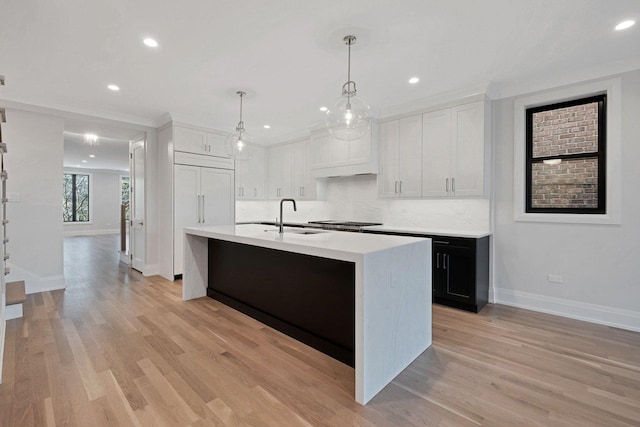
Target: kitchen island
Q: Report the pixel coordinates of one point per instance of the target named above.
(388, 277)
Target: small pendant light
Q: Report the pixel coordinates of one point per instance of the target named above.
(238, 144)
(349, 118)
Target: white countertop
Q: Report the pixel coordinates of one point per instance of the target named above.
(429, 231)
(392, 286)
(324, 243)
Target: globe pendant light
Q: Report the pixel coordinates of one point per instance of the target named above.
(238, 144)
(349, 118)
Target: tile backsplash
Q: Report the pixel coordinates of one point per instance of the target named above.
(355, 198)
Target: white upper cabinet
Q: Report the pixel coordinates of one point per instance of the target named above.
(401, 158)
(304, 184)
(289, 174)
(251, 176)
(332, 157)
(280, 171)
(436, 153)
(196, 141)
(453, 151)
(468, 150)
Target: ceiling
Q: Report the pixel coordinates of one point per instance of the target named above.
(289, 56)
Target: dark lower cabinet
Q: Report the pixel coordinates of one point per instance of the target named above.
(460, 270)
(309, 298)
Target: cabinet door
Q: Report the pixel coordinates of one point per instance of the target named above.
(388, 176)
(410, 157)
(216, 145)
(436, 153)
(216, 196)
(242, 179)
(189, 140)
(255, 188)
(280, 169)
(459, 269)
(467, 161)
(186, 208)
(304, 185)
(439, 276)
(318, 147)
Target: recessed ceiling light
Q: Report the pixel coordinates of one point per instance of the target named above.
(114, 88)
(84, 161)
(267, 126)
(323, 109)
(150, 42)
(625, 24)
(414, 80)
(92, 155)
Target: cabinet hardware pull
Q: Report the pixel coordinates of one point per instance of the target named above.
(453, 185)
(400, 187)
(447, 184)
(438, 260)
(255, 192)
(203, 220)
(199, 207)
(445, 261)
(441, 242)
(395, 187)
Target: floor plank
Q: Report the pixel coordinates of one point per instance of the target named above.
(118, 349)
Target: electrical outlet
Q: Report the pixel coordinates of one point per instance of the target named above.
(553, 278)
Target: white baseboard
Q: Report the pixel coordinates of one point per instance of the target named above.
(14, 311)
(151, 270)
(68, 233)
(610, 316)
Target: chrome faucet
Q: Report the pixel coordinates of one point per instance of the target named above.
(281, 220)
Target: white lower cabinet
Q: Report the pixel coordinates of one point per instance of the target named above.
(251, 176)
(401, 158)
(453, 151)
(203, 196)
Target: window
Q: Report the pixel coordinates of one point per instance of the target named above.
(565, 157)
(610, 156)
(75, 198)
(124, 195)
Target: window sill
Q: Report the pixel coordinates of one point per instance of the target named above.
(608, 219)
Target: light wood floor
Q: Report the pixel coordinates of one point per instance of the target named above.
(118, 349)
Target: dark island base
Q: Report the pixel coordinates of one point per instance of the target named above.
(311, 299)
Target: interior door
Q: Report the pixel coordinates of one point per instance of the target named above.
(136, 208)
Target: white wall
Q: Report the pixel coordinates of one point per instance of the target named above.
(34, 165)
(105, 203)
(599, 263)
(355, 198)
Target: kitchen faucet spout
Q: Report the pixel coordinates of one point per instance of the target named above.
(281, 220)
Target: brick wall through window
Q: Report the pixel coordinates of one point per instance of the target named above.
(564, 147)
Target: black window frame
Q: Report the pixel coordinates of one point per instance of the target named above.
(600, 155)
(74, 219)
